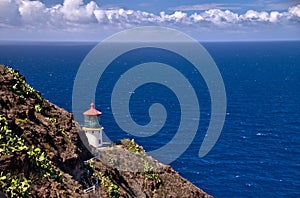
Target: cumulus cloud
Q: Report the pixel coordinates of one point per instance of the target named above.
(74, 15)
(33, 12)
(220, 17)
(177, 16)
(75, 11)
(9, 12)
(295, 11)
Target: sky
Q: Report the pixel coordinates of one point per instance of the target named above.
(204, 20)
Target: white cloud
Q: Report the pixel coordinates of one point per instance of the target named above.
(220, 17)
(205, 6)
(175, 17)
(9, 13)
(33, 12)
(100, 15)
(295, 11)
(76, 11)
(74, 15)
(274, 17)
(252, 15)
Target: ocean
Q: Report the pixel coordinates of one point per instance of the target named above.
(258, 152)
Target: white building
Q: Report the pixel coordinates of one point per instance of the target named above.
(92, 128)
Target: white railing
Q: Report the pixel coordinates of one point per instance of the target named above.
(90, 189)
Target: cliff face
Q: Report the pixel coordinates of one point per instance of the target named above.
(45, 131)
(42, 155)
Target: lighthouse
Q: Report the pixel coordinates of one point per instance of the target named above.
(92, 128)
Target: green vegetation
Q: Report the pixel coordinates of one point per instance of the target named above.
(149, 172)
(130, 145)
(22, 120)
(112, 161)
(111, 188)
(22, 88)
(14, 186)
(11, 143)
(104, 181)
(43, 164)
(53, 120)
(38, 108)
(91, 166)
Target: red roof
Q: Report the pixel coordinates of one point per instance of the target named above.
(92, 111)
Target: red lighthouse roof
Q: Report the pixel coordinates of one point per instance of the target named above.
(92, 111)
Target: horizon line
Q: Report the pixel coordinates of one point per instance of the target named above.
(98, 41)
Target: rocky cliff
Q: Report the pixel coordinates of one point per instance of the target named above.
(42, 155)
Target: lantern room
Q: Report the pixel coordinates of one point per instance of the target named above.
(92, 117)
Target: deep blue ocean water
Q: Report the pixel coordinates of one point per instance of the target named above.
(258, 152)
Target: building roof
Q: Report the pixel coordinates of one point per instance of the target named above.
(92, 111)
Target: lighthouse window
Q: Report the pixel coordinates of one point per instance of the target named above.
(91, 122)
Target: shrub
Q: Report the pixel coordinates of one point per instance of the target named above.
(112, 189)
(11, 143)
(130, 145)
(14, 186)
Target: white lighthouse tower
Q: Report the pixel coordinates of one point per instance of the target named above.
(92, 128)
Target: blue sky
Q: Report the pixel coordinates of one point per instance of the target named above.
(204, 20)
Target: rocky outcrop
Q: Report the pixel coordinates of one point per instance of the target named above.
(42, 155)
(43, 125)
